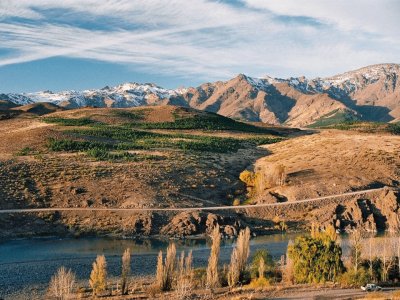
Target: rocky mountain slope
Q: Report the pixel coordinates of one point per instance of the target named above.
(371, 93)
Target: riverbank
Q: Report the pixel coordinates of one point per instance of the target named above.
(28, 264)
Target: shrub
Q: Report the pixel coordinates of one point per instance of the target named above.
(247, 177)
(62, 284)
(394, 128)
(200, 277)
(24, 151)
(98, 276)
(236, 202)
(259, 283)
(355, 278)
(212, 268)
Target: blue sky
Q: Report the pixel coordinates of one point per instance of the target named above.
(79, 44)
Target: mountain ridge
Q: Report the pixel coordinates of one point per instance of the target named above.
(370, 93)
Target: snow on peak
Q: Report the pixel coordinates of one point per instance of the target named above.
(122, 95)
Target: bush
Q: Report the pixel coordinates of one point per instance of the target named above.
(259, 283)
(24, 151)
(353, 278)
(394, 128)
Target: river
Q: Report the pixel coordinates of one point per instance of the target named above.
(27, 265)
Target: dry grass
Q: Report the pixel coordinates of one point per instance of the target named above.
(376, 296)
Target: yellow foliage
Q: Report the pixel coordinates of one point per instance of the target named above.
(247, 177)
(259, 283)
(236, 202)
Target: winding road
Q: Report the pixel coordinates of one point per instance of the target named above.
(201, 208)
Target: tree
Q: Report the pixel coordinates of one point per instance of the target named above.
(356, 244)
(316, 259)
(288, 268)
(243, 249)
(267, 262)
(98, 276)
(233, 270)
(165, 271)
(62, 284)
(239, 257)
(126, 270)
(387, 256)
(212, 268)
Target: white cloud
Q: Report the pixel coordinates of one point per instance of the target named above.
(374, 16)
(200, 38)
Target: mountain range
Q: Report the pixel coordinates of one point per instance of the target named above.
(371, 93)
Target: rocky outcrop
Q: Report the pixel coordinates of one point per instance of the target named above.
(195, 223)
(375, 215)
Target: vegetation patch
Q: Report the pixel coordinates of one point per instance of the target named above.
(394, 128)
(25, 151)
(69, 121)
(131, 115)
(335, 117)
(205, 122)
(362, 126)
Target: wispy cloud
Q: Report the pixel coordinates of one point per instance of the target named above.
(210, 39)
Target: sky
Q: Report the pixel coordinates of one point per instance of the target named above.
(81, 44)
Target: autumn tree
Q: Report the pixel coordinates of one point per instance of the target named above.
(316, 258)
(98, 276)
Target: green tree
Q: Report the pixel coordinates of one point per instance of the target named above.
(259, 255)
(316, 258)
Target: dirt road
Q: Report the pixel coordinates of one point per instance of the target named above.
(322, 293)
(206, 208)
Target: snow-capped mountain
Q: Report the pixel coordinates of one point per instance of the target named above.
(123, 95)
(370, 93)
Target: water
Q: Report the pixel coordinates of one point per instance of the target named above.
(32, 262)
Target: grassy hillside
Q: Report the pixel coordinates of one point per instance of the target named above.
(134, 130)
(335, 117)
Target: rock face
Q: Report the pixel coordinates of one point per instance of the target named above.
(371, 93)
(378, 215)
(194, 223)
